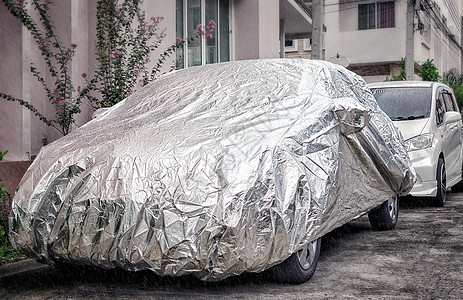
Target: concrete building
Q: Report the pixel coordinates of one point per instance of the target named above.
(246, 29)
(371, 34)
(368, 36)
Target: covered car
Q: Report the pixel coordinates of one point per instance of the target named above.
(214, 171)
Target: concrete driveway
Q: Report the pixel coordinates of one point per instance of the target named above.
(421, 259)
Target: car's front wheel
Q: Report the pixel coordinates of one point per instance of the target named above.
(300, 266)
(386, 215)
(441, 183)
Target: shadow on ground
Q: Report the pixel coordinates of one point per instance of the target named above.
(71, 276)
(68, 275)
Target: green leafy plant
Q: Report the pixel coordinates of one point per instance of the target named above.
(5, 199)
(3, 215)
(455, 81)
(401, 75)
(429, 71)
(125, 43)
(57, 58)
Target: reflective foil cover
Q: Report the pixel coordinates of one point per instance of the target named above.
(213, 170)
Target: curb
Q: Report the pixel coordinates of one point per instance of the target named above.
(22, 267)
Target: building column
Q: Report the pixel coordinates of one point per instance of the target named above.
(317, 28)
(410, 41)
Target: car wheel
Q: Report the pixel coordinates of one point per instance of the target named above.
(386, 215)
(441, 184)
(300, 266)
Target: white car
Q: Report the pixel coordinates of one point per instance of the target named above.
(429, 119)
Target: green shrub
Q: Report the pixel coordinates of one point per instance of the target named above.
(3, 215)
(429, 71)
(6, 254)
(401, 76)
(455, 81)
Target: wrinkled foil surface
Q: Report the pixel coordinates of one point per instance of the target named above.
(213, 170)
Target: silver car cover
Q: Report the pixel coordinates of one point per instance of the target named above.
(213, 170)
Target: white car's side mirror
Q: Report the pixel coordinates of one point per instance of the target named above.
(451, 117)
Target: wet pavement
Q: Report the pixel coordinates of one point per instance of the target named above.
(422, 258)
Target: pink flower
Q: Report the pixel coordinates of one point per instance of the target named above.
(73, 45)
(61, 101)
(162, 18)
(41, 43)
(84, 75)
(179, 40)
(199, 27)
(208, 35)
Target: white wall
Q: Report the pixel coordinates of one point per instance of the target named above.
(363, 46)
(388, 44)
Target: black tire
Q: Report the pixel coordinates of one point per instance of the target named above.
(441, 184)
(385, 216)
(458, 188)
(300, 266)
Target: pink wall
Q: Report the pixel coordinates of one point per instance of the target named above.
(255, 35)
(257, 28)
(246, 29)
(21, 133)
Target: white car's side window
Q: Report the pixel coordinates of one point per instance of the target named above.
(449, 105)
(440, 108)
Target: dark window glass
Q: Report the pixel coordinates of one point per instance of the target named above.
(386, 14)
(189, 14)
(404, 103)
(193, 20)
(211, 43)
(366, 17)
(289, 43)
(224, 27)
(440, 109)
(449, 105)
(179, 33)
